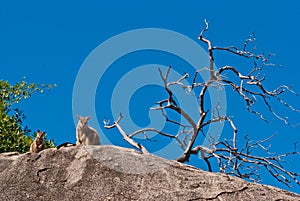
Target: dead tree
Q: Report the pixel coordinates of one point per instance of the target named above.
(233, 160)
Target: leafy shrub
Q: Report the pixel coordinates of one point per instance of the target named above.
(14, 135)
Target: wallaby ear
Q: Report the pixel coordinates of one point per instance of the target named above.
(88, 117)
(79, 117)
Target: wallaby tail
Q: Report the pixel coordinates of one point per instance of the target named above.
(65, 144)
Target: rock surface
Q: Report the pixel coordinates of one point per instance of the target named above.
(113, 173)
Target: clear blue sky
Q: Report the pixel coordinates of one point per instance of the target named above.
(48, 43)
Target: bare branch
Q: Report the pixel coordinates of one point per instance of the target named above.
(125, 136)
(210, 52)
(152, 130)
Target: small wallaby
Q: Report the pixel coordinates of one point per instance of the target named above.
(38, 144)
(84, 134)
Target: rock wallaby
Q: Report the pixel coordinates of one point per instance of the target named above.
(38, 144)
(84, 134)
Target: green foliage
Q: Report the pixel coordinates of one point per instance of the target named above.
(14, 136)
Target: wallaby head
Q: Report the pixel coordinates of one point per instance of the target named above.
(83, 120)
(40, 135)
